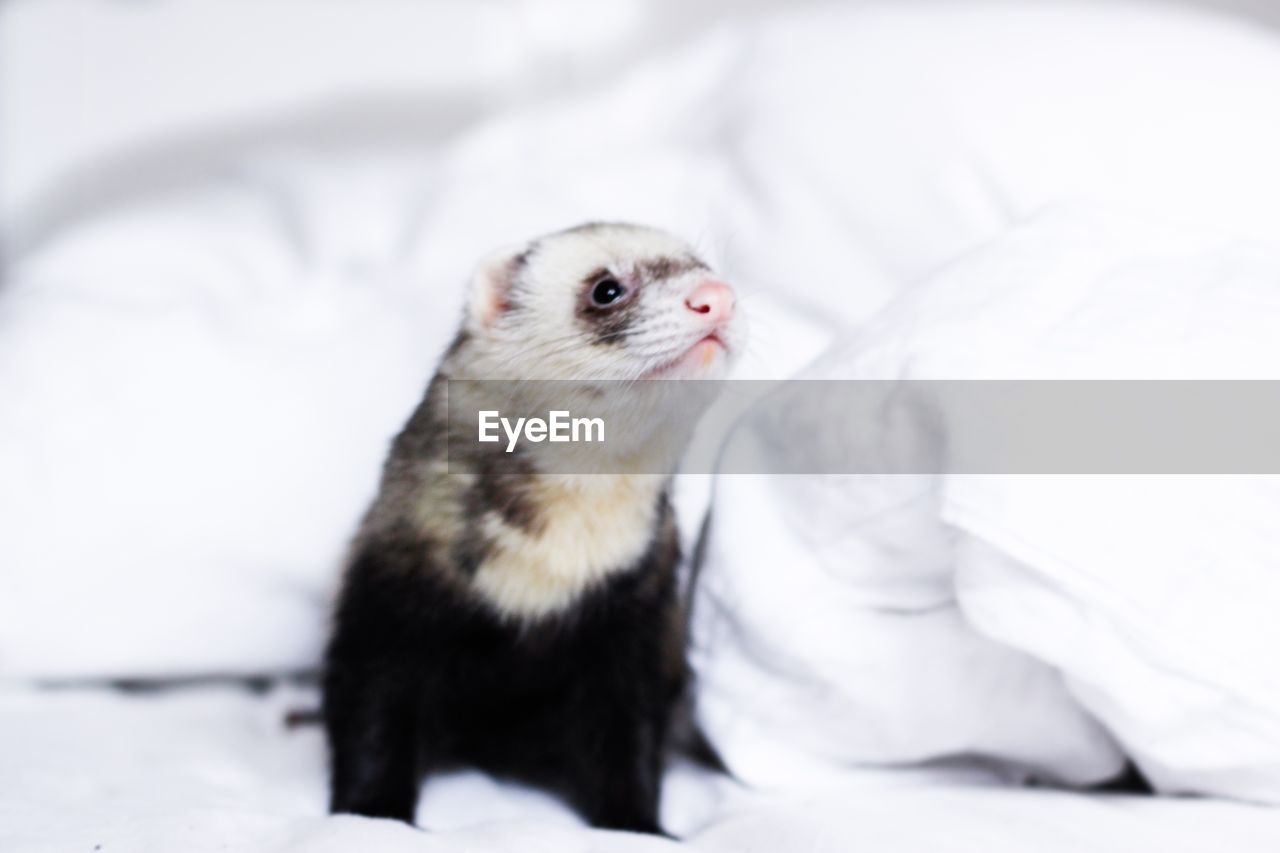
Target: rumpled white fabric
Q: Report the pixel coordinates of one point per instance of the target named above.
(197, 383)
(214, 770)
(1155, 596)
(1027, 618)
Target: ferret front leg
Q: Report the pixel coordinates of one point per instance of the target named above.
(370, 716)
(616, 784)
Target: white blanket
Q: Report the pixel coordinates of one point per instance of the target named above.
(213, 769)
(855, 619)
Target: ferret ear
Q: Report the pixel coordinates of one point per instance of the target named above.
(491, 285)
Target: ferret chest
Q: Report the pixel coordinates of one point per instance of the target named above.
(582, 530)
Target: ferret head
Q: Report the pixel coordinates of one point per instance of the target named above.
(600, 301)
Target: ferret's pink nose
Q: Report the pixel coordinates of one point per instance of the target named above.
(712, 298)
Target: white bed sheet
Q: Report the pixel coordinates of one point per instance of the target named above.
(213, 768)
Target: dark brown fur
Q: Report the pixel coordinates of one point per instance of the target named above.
(422, 676)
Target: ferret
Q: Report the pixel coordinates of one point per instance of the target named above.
(521, 621)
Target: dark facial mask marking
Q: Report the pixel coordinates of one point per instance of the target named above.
(666, 267)
(611, 324)
(608, 324)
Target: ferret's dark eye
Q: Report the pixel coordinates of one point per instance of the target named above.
(607, 291)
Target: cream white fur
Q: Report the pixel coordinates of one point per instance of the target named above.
(589, 528)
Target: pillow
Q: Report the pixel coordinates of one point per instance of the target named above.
(195, 405)
(826, 634)
(910, 617)
(86, 116)
(1154, 595)
(886, 139)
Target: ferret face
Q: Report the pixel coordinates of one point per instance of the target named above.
(601, 301)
